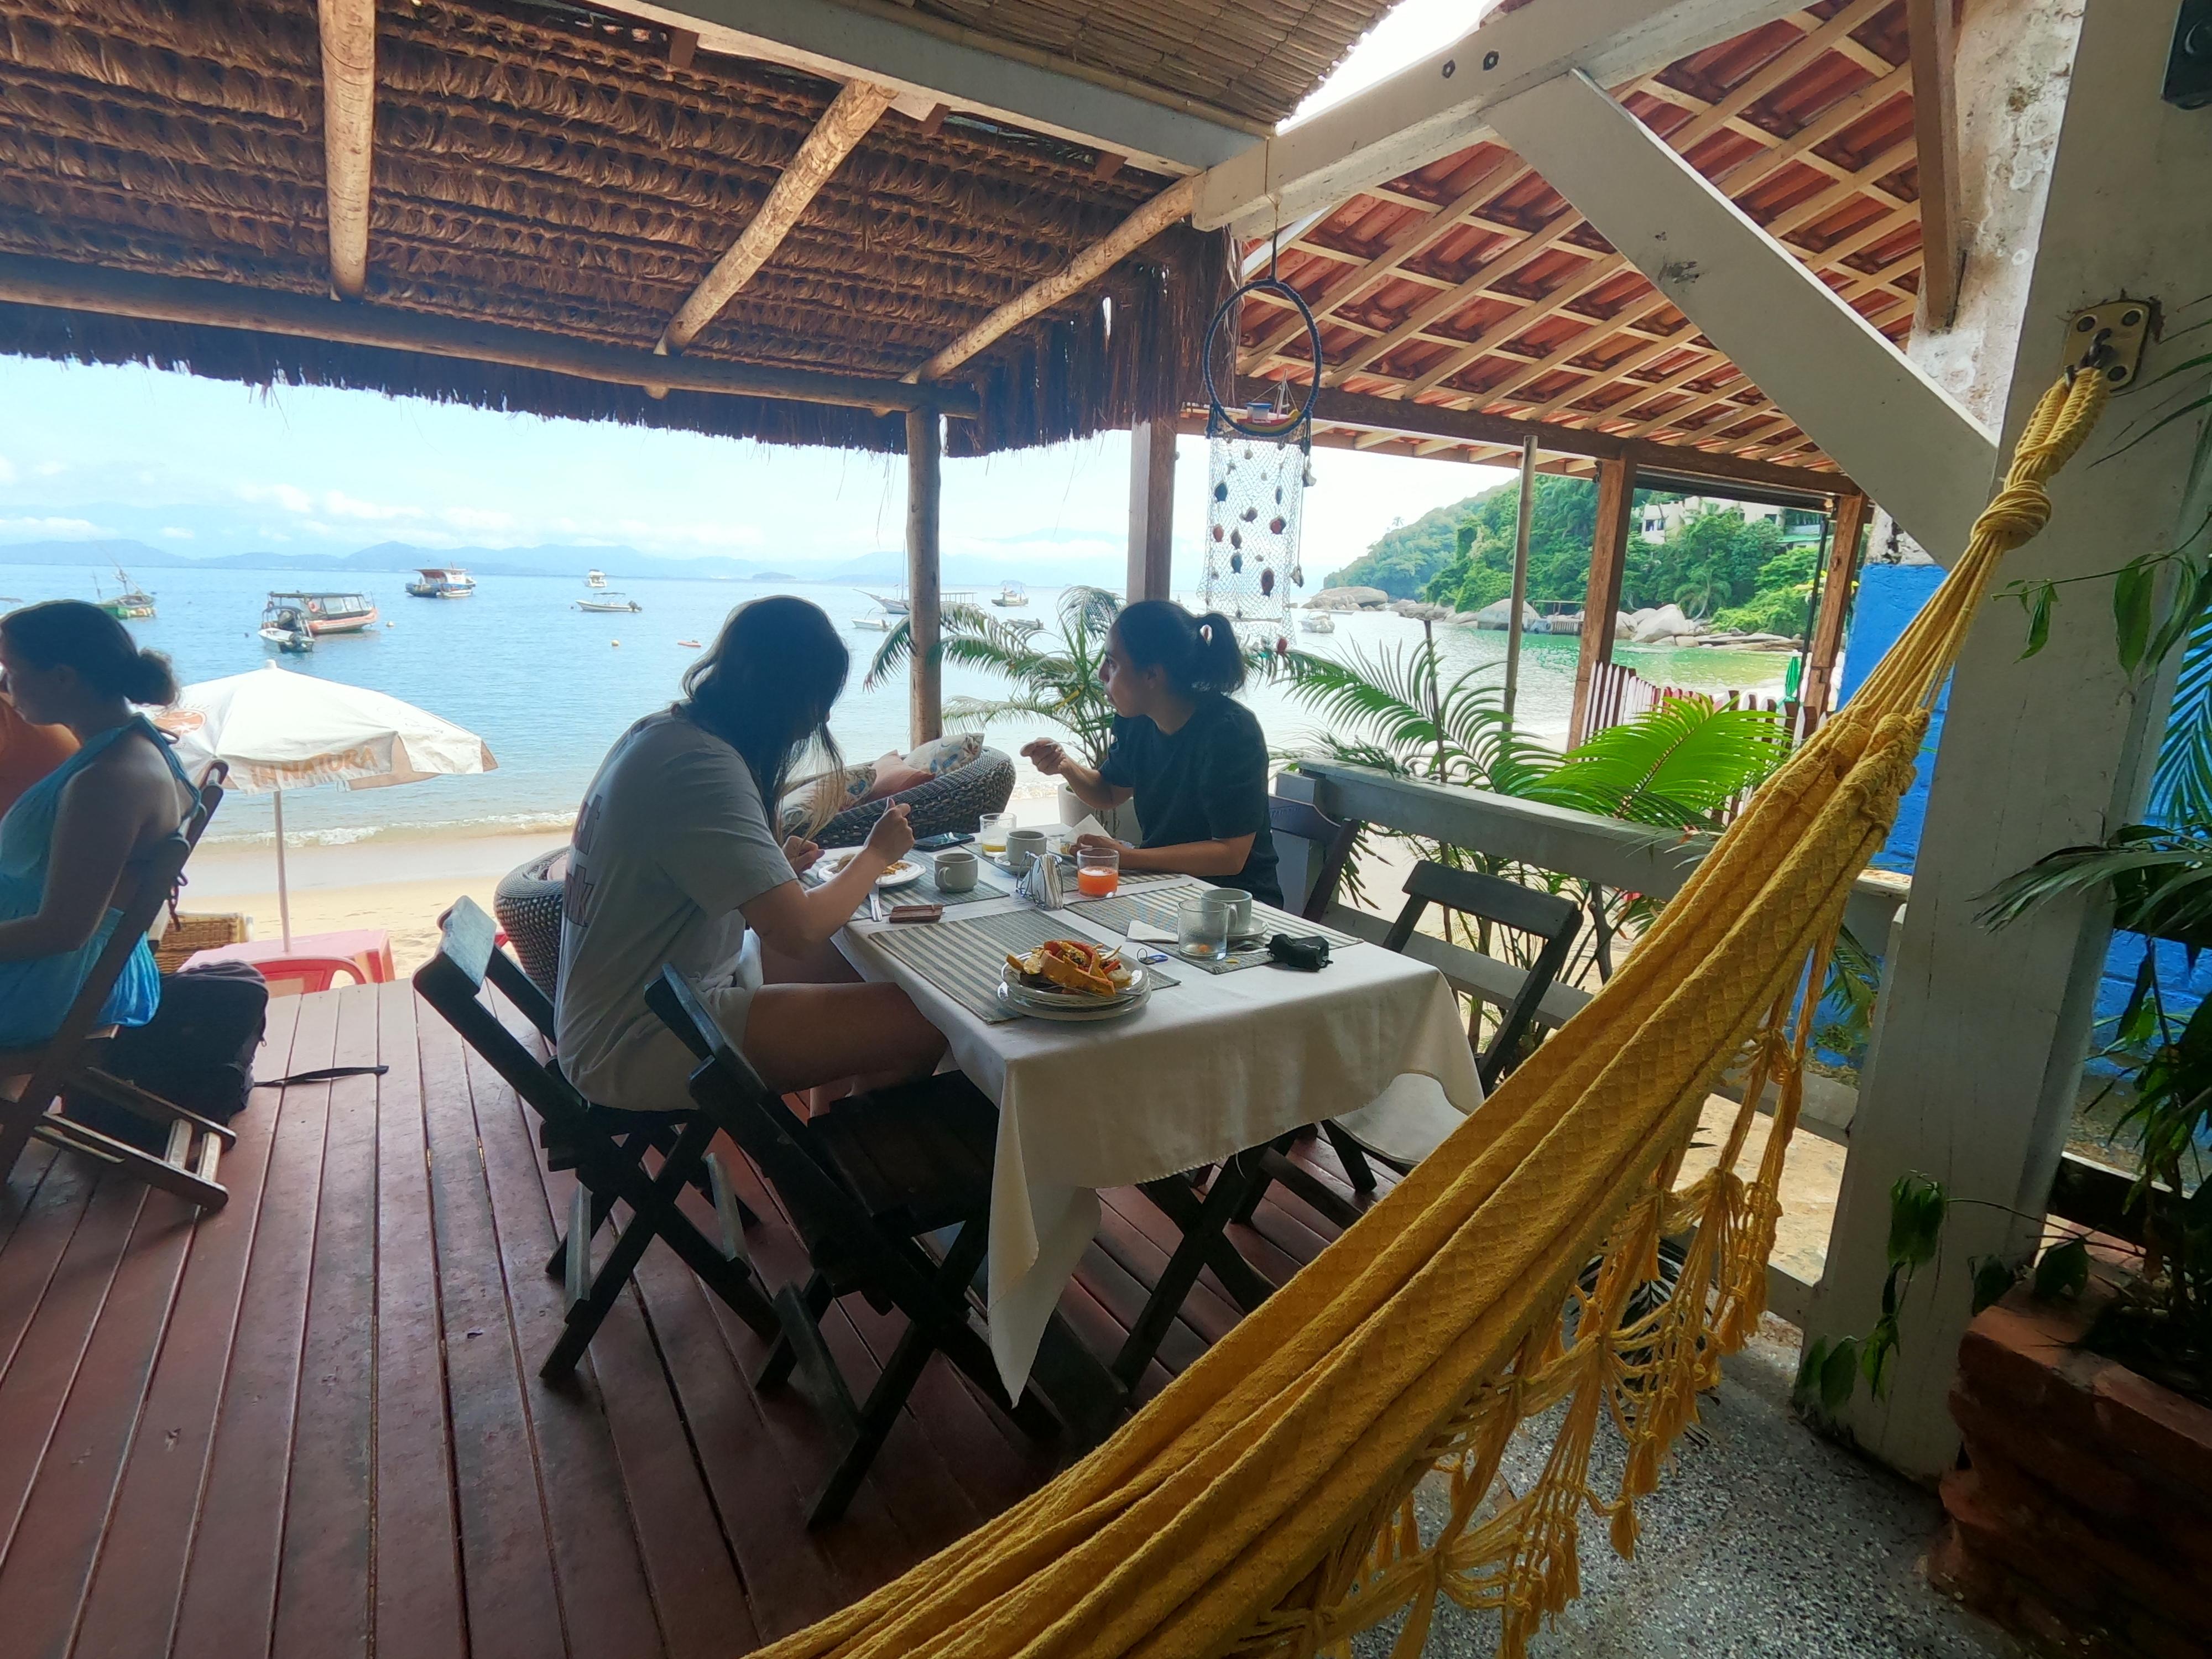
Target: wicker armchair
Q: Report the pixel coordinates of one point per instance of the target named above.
(527, 902)
(953, 802)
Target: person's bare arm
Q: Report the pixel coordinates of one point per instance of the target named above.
(791, 920)
(1222, 857)
(102, 815)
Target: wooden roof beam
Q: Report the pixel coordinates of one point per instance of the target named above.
(851, 116)
(1936, 130)
(1442, 103)
(1165, 209)
(930, 60)
(348, 32)
(68, 287)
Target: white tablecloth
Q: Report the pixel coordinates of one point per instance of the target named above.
(1209, 1067)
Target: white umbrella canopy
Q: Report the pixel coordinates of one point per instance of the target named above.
(277, 731)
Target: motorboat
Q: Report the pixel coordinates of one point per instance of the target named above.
(322, 614)
(1317, 622)
(287, 630)
(608, 600)
(873, 624)
(889, 603)
(1011, 596)
(595, 579)
(443, 582)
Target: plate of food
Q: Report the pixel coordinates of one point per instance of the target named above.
(1072, 978)
(905, 873)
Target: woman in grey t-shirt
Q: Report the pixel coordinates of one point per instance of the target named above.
(676, 858)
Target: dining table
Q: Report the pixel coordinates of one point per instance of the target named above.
(1211, 1066)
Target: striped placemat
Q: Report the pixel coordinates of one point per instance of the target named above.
(964, 959)
(1158, 905)
(994, 886)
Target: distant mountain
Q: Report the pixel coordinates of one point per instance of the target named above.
(99, 556)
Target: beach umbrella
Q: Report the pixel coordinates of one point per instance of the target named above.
(277, 730)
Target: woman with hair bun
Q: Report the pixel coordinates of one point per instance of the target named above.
(1193, 756)
(71, 845)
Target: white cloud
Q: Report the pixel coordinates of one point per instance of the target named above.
(290, 497)
(176, 533)
(339, 505)
(49, 468)
(56, 529)
(477, 518)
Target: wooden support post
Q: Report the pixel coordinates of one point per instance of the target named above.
(1832, 601)
(925, 477)
(1616, 505)
(1151, 510)
(1975, 1069)
(349, 31)
(1518, 598)
(1936, 146)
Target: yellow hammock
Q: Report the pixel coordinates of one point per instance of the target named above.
(1262, 1504)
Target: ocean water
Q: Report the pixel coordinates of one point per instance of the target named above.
(549, 687)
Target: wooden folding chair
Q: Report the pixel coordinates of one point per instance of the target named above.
(1330, 844)
(68, 1059)
(1409, 1122)
(604, 1147)
(862, 1183)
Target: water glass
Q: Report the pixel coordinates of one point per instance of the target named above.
(1098, 871)
(992, 836)
(1202, 927)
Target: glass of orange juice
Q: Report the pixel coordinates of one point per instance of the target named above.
(1098, 872)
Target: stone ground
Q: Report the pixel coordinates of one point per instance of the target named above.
(1763, 1541)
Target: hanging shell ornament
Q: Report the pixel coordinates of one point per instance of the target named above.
(1267, 583)
(1235, 564)
(1279, 495)
(1217, 532)
(1221, 490)
(1308, 479)
(1250, 513)
(1298, 576)
(1275, 524)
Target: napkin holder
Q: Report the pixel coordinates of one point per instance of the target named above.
(1041, 884)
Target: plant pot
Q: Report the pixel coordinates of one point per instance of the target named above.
(1121, 823)
(2083, 1521)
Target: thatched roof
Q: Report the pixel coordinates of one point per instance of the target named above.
(1472, 285)
(546, 169)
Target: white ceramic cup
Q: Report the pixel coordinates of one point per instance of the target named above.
(1239, 904)
(1024, 845)
(955, 872)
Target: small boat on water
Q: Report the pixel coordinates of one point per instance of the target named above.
(323, 613)
(443, 582)
(287, 630)
(595, 579)
(133, 604)
(1011, 596)
(607, 600)
(873, 624)
(891, 604)
(1317, 622)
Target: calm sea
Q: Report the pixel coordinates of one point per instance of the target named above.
(550, 687)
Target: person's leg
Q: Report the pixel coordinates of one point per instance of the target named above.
(823, 965)
(799, 1036)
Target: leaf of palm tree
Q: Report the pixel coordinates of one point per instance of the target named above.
(2182, 786)
(1677, 764)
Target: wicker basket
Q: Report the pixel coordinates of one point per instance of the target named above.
(188, 933)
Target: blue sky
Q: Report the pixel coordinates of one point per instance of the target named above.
(207, 467)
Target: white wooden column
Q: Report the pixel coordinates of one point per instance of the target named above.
(925, 478)
(1151, 510)
(1976, 1058)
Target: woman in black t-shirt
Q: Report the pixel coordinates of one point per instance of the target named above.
(1193, 759)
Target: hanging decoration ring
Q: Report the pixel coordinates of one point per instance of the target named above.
(1281, 425)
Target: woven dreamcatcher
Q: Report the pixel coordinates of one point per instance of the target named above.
(1258, 470)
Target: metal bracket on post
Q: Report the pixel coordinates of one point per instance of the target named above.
(2110, 338)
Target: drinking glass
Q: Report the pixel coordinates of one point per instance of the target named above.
(992, 838)
(1202, 927)
(1098, 871)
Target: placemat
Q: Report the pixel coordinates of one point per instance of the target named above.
(1158, 906)
(964, 959)
(927, 891)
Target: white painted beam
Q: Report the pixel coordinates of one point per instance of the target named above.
(1442, 104)
(1973, 1074)
(1905, 441)
(349, 35)
(933, 62)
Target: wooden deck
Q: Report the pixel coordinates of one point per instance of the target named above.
(312, 1424)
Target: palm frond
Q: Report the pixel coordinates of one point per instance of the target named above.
(2160, 881)
(1679, 764)
(2181, 789)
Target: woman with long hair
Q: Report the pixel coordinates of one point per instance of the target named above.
(1191, 755)
(676, 859)
(71, 845)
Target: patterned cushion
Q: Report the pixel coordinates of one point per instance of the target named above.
(947, 754)
(799, 798)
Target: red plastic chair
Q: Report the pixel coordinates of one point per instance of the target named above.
(293, 977)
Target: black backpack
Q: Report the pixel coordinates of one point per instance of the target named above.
(197, 1052)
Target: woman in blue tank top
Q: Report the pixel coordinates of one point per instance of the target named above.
(71, 847)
